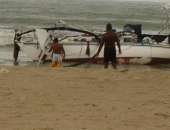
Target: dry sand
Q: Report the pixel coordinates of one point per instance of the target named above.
(45, 98)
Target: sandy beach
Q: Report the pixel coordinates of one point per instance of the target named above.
(45, 98)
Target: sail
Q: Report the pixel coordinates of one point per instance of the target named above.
(42, 36)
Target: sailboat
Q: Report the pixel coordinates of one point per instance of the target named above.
(82, 45)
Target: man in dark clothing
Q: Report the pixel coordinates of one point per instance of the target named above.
(108, 40)
(17, 38)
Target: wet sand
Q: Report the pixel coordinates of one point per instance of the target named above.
(46, 98)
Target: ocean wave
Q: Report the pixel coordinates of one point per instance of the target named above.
(31, 13)
(7, 46)
(91, 14)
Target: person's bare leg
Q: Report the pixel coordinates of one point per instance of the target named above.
(60, 60)
(114, 65)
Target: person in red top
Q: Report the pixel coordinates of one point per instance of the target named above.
(58, 53)
(108, 40)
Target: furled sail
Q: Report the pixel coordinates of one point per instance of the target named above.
(42, 37)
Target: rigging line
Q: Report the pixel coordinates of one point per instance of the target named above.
(81, 49)
(89, 61)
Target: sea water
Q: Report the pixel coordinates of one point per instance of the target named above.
(88, 14)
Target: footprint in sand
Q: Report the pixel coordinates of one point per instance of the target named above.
(43, 129)
(4, 70)
(162, 115)
(123, 70)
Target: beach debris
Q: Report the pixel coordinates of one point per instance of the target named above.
(4, 70)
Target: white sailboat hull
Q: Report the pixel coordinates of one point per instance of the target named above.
(143, 54)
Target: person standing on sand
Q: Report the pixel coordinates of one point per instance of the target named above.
(58, 53)
(108, 40)
(17, 39)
